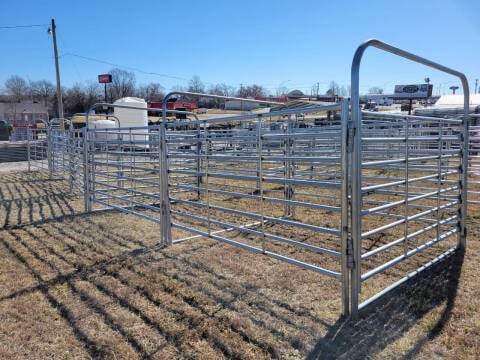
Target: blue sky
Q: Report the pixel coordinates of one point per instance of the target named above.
(292, 44)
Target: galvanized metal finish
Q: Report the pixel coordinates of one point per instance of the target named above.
(352, 198)
(429, 157)
(250, 171)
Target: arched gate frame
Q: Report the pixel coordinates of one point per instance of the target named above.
(359, 191)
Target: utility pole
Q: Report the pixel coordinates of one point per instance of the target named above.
(476, 83)
(52, 31)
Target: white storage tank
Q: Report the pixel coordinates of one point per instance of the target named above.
(108, 125)
(130, 118)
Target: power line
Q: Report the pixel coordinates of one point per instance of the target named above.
(124, 66)
(23, 26)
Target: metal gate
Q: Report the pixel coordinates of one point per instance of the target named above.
(351, 198)
(409, 187)
(258, 181)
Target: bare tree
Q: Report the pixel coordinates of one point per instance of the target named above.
(251, 91)
(196, 85)
(375, 90)
(222, 90)
(123, 84)
(151, 91)
(178, 87)
(93, 93)
(79, 98)
(281, 91)
(17, 87)
(43, 90)
(333, 89)
(74, 100)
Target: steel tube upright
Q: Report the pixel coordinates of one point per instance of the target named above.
(49, 151)
(29, 151)
(355, 138)
(345, 210)
(86, 170)
(165, 214)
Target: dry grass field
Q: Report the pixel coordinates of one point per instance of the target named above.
(94, 286)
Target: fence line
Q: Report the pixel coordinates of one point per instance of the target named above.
(351, 198)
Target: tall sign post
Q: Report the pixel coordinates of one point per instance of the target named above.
(413, 91)
(105, 79)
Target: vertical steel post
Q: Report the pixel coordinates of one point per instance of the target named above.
(29, 156)
(260, 179)
(259, 155)
(49, 151)
(198, 152)
(288, 188)
(407, 189)
(165, 215)
(291, 164)
(86, 171)
(356, 184)
(462, 240)
(345, 228)
(208, 149)
(439, 179)
(71, 149)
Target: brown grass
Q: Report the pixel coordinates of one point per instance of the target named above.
(81, 286)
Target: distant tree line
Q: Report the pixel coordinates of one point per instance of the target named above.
(79, 97)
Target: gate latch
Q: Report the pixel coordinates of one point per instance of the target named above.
(350, 260)
(350, 135)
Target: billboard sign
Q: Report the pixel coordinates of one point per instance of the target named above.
(104, 78)
(414, 91)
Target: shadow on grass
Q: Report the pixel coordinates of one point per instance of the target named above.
(118, 267)
(76, 262)
(379, 325)
(393, 315)
(24, 199)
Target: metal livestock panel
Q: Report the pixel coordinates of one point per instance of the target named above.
(409, 189)
(38, 149)
(258, 181)
(411, 183)
(265, 190)
(380, 197)
(123, 170)
(60, 152)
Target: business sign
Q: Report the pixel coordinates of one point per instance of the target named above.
(104, 78)
(413, 91)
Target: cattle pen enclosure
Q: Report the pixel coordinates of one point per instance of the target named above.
(334, 216)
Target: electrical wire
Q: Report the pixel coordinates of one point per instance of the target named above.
(124, 66)
(23, 26)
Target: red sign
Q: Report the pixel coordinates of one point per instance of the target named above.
(104, 78)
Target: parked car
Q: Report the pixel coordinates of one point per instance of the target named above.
(5, 130)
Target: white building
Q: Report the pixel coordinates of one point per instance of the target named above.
(26, 110)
